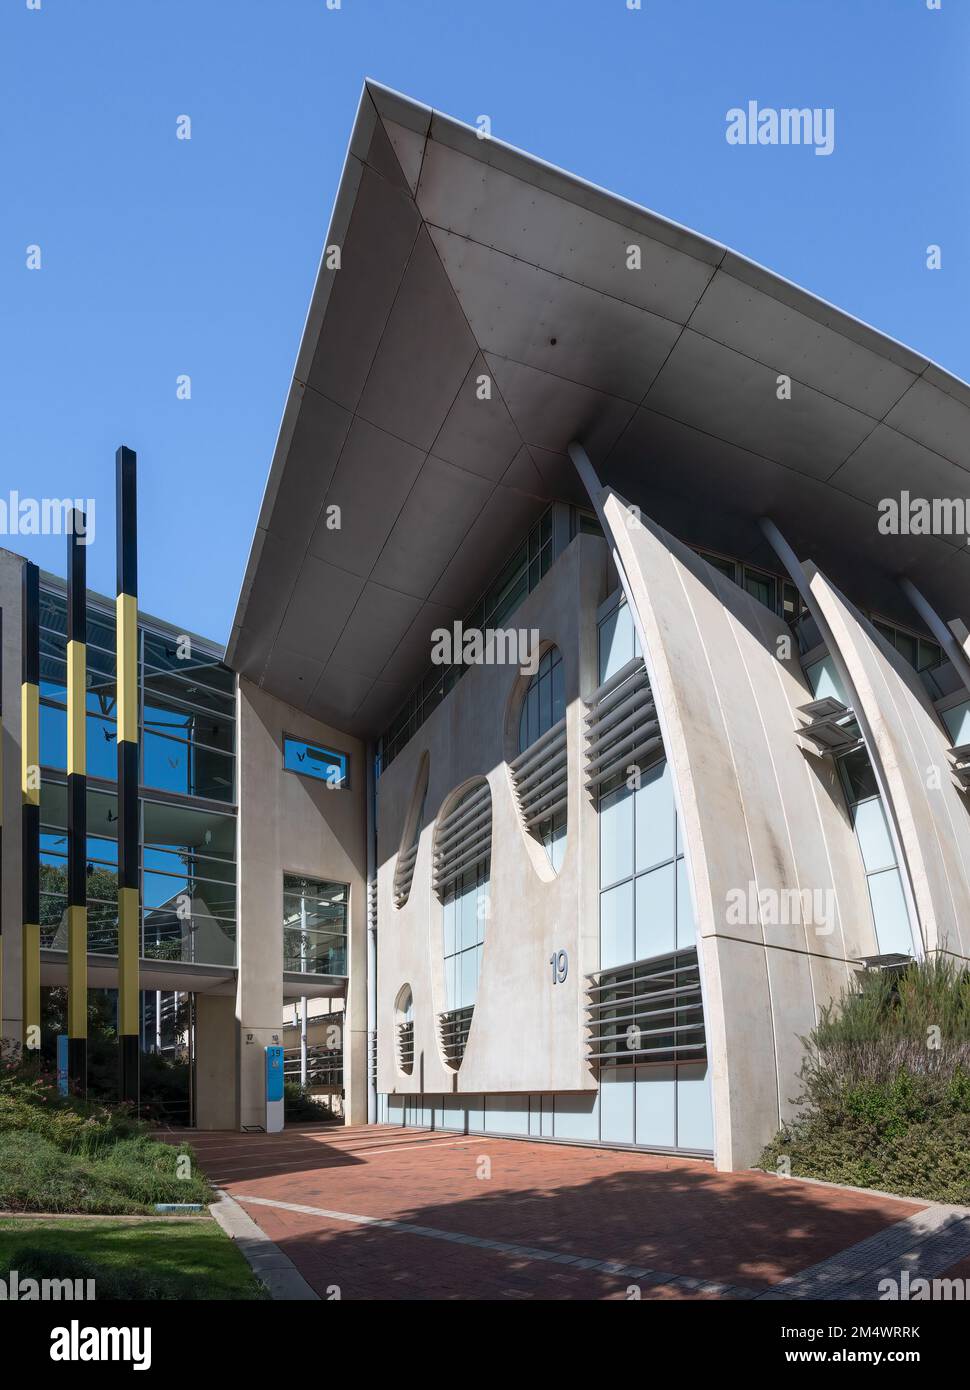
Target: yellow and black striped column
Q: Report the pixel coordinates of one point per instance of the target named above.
(126, 628)
(77, 829)
(30, 802)
(1, 823)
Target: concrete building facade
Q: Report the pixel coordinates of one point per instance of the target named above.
(595, 724)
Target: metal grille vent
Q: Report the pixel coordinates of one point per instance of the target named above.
(648, 1011)
(539, 776)
(463, 839)
(621, 726)
(405, 1045)
(454, 1028)
(403, 875)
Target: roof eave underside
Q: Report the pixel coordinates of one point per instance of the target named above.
(668, 374)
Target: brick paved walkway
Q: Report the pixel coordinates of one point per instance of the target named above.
(382, 1212)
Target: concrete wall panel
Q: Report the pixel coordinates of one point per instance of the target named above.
(527, 1034)
(758, 816)
(911, 746)
(293, 824)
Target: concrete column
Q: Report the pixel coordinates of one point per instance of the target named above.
(216, 1047)
(293, 824)
(12, 993)
(355, 1012)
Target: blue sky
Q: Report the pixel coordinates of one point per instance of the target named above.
(163, 257)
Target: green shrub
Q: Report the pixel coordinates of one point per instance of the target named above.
(299, 1104)
(60, 1154)
(886, 1088)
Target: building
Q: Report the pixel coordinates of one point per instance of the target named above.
(597, 719)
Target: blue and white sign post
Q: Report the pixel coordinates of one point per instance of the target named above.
(62, 1063)
(274, 1090)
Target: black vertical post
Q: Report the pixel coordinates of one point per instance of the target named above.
(30, 802)
(126, 646)
(1, 822)
(77, 829)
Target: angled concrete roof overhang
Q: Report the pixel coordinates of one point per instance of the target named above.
(463, 258)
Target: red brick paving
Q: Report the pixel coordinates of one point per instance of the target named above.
(665, 1213)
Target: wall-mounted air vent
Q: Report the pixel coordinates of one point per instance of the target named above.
(649, 1011)
(829, 726)
(463, 839)
(408, 853)
(453, 1028)
(621, 727)
(540, 775)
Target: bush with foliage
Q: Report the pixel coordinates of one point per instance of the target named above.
(886, 1087)
(299, 1103)
(58, 1153)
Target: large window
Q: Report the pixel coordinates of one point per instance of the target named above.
(465, 911)
(462, 850)
(188, 878)
(188, 720)
(541, 780)
(314, 926)
(647, 1026)
(313, 760)
(188, 884)
(102, 869)
(890, 914)
(187, 706)
(102, 745)
(645, 905)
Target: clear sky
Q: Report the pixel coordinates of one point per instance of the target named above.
(162, 257)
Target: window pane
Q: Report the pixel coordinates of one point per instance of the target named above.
(616, 926)
(907, 648)
(889, 913)
(173, 766)
(469, 977)
(686, 926)
(558, 691)
(761, 587)
(314, 760)
(616, 836)
(654, 800)
(656, 1106)
(957, 720)
(166, 715)
(656, 925)
(169, 654)
(314, 926)
(616, 642)
(869, 820)
(188, 831)
(859, 776)
(695, 1126)
(825, 680)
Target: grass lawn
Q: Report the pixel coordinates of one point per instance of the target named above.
(177, 1259)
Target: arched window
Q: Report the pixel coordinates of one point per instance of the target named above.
(540, 770)
(408, 853)
(462, 853)
(404, 1020)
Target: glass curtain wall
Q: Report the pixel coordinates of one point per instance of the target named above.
(645, 915)
(187, 740)
(543, 706)
(314, 926)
